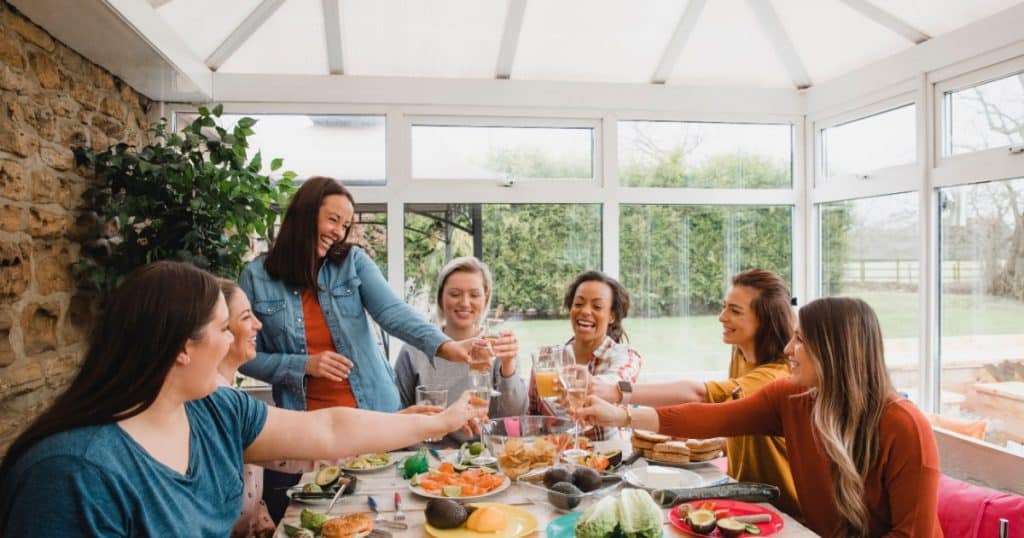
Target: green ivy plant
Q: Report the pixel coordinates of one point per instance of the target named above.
(191, 196)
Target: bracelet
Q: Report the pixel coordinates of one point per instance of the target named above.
(629, 417)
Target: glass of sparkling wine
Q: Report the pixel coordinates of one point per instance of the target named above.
(436, 395)
(575, 379)
(480, 396)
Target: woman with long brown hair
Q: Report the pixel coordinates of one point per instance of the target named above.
(144, 443)
(757, 321)
(864, 460)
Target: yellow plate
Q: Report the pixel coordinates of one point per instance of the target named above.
(520, 523)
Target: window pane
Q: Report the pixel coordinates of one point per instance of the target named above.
(982, 305)
(349, 148)
(533, 250)
(710, 155)
(878, 141)
(855, 263)
(676, 262)
(448, 152)
(370, 231)
(988, 115)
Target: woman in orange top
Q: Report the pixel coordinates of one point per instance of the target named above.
(864, 461)
(757, 321)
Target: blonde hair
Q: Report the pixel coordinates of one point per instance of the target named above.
(844, 337)
(464, 264)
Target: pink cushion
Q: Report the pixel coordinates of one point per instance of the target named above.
(973, 511)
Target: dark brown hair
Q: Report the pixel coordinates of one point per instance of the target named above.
(843, 337)
(140, 330)
(292, 258)
(620, 301)
(774, 313)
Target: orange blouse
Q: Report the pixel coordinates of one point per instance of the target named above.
(320, 391)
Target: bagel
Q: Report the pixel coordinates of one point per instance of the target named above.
(348, 526)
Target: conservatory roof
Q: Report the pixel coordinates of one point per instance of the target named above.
(791, 44)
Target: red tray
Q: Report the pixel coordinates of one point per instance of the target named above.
(735, 508)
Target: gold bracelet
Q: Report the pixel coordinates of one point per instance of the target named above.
(629, 417)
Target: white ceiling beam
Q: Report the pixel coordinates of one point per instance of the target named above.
(157, 3)
(332, 33)
(678, 41)
(784, 48)
(887, 20)
(510, 38)
(244, 31)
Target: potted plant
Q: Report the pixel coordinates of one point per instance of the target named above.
(193, 196)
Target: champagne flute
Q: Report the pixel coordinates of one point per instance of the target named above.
(576, 380)
(480, 396)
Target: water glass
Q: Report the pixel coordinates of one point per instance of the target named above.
(436, 395)
(545, 371)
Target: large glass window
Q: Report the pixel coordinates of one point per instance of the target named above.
(349, 148)
(869, 249)
(370, 231)
(676, 262)
(989, 115)
(710, 155)
(879, 141)
(500, 153)
(982, 305)
(533, 250)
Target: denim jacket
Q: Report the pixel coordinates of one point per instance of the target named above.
(347, 292)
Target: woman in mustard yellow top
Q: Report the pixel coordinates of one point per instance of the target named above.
(757, 320)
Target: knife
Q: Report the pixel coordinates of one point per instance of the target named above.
(337, 494)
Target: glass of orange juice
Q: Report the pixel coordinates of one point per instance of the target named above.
(545, 370)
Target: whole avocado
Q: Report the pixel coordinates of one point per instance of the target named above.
(586, 479)
(564, 496)
(445, 513)
(555, 475)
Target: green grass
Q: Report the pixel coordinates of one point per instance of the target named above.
(680, 344)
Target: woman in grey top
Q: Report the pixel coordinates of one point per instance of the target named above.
(463, 298)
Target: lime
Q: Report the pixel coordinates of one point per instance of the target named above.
(452, 491)
(476, 448)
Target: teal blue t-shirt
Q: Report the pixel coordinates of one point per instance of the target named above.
(97, 481)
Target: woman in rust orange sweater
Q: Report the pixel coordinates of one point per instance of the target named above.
(864, 461)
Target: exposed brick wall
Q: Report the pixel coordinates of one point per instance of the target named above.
(51, 99)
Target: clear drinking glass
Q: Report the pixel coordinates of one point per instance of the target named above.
(436, 395)
(545, 371)
(481, 391)
(576, 382)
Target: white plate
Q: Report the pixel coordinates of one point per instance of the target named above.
(423, 493)
(657, 477)
(391, 461)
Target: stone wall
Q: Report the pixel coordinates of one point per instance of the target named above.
(51, 99)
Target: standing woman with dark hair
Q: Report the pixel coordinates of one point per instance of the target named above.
(312, 292)
(597, 304)
(143, 443)
(864, 460)
(757, 320)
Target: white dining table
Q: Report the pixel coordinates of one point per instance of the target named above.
(382, 485)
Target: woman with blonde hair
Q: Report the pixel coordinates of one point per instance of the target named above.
(864, 460)
(463, 299)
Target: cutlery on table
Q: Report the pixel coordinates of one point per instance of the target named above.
(399, 514)
(379, 517)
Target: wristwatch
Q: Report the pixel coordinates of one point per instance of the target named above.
(626, 389)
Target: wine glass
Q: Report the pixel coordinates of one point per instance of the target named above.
(435, 395)
(480, 391)
(575, 380)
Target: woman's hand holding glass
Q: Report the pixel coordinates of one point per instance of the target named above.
(330, 365)
(605, 390)
(465, 412)
(600, 412)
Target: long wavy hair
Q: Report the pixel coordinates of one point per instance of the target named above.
(292, 258)
(620, 301)
(140, 330)
(844, 337)
(774, 313)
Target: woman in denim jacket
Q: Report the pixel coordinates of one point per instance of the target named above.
(312, 292)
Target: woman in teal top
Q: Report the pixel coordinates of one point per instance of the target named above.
(144, 444)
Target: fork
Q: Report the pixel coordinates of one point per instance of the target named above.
(399, 514)
(379, 517)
